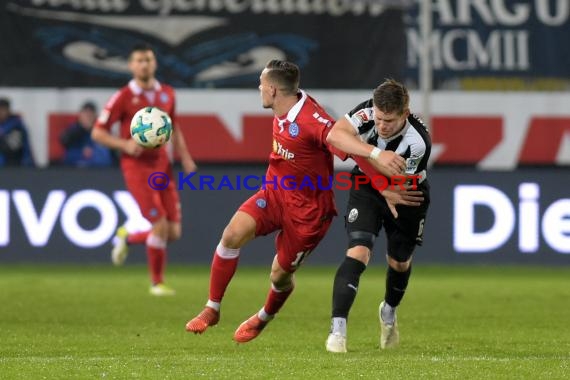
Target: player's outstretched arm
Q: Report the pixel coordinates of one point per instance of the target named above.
(343, 136)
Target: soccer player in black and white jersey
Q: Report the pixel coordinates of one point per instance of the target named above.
(373, 133)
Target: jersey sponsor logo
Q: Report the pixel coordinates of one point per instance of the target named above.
(293, 129)
(282, 151)
(352, 215)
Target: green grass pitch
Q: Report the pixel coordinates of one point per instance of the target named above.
(99, 322)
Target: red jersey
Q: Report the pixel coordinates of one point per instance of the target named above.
(122, 107)
(301, 153)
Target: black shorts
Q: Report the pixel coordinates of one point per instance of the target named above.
(367, 211)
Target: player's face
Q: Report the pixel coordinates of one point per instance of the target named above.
(143, 65)
(266, 90)
(389, 124)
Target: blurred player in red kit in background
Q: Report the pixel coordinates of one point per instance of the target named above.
(302, 216)
(161, 208)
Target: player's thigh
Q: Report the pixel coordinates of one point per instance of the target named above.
(364, 216)
(170, 200)
(148, 200)
(239, 231)
(403, 235)
(265, 208)
(296, 241)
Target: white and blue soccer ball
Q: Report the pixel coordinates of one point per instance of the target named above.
(151, 127)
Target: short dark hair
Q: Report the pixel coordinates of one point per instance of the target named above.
(5, 103)
(391, 96)
(285, 74)
(142, 47)
(89, 105)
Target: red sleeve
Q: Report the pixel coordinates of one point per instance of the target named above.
(337, 152)
(370, 171)
(112, 112)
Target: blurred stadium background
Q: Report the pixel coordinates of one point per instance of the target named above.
(495, 93)
(491, 78)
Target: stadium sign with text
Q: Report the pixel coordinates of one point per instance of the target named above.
(553, 223)
(62, 215)
(494, 45)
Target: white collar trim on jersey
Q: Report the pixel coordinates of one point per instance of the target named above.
(294, 111)
(137, 90)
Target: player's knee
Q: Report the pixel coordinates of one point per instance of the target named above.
(400, 251)
(174, 231)
(281, 280)
(360, 253)
(160, 228)
(231, 237)
(174, 234)
(361, 238)
(399, 266)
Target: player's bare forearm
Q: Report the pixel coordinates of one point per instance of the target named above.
(343, 136)
(180, 147)
(103, 137)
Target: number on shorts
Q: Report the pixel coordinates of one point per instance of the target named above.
(421, 229)
(300, 258)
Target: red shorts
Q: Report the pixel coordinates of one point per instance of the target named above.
(300, 232)
(154, 204)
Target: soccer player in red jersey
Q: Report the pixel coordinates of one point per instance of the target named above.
(301, 215)
(161, 208)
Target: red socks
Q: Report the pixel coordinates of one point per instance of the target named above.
(224, 265)
(275, 300)
(156, 255)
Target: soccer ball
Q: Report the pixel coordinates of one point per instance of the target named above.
(151, 127)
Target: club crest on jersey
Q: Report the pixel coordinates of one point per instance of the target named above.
(293, 129)
(261, 203)
(352, 215)
(164, 97)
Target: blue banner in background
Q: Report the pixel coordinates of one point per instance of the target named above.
(494, 45)
(201, 44)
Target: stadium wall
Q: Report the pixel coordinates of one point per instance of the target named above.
(489, 130)
(496, 217)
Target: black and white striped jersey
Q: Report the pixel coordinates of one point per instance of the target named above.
(413, 142)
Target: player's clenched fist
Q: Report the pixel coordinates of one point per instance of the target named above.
(389, 163)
